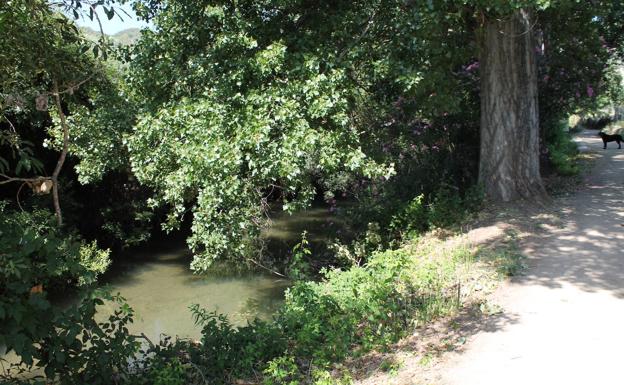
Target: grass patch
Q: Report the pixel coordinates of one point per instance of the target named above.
(506, 259)
(391, 366)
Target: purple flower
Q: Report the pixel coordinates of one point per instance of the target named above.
(473, 66)
(590, 91)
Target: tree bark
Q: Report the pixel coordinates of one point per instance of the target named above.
(509, 151)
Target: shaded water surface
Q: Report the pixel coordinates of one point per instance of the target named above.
(160, 287)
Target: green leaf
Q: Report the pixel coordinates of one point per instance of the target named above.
(110, 12)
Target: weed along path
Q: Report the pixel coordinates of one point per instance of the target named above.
(568, 306)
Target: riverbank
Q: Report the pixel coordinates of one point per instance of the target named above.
(541, 324)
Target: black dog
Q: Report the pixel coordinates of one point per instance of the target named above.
(606, 138)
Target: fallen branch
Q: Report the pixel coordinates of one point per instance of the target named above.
(266, 268)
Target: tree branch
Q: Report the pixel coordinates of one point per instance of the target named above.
(71, 88)
(61, 159)
(10, 179)
(367, 26)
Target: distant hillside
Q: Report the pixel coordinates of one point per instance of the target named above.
(125, 37)
(89, 33)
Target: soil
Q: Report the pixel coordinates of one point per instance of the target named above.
(560, 322)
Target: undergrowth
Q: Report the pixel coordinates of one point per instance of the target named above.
(562, 150)
(347, 313)
(506, 259)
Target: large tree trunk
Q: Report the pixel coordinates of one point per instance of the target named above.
(509, 154)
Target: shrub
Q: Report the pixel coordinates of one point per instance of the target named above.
(448, 207)
(65, 341)
(69, 345)
(282, 371)
(445, 208)
(562, 150)
(412, 219)
(170, 373)
(348, 312)
(229, 352)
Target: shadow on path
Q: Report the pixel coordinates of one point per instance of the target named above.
(588, 251)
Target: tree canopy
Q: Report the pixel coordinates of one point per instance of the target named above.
(230, 111)
(249, 102)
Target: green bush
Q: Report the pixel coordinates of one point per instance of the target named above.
(445, 208)
(228, 352)
(562, 150)
(171, 373)
(66, 342)
(68, 345)
(412, 219)
(348, 312)
(448, 207)
(282, 371)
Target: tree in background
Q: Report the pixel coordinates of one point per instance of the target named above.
(254, 102)
(569, 41)
(46, 69)
(44, 61)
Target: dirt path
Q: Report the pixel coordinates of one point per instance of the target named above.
(567, 311)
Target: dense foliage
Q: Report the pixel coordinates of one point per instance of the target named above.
(253, 102)
(319, 323)
(256, 114)
(37, 260)
(225, 113)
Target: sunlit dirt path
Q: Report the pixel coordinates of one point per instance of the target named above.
(568, 307)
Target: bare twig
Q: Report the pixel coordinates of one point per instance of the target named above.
(198, 369)
(10, 123)
(71, 88)
(150, 343)
(97, 17)
(17, 196)
(266, 268)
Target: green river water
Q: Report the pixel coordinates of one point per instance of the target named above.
(159, 285)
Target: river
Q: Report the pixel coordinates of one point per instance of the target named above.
(160, 287)
(158, 284)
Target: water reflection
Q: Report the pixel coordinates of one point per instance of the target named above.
(160, 288)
